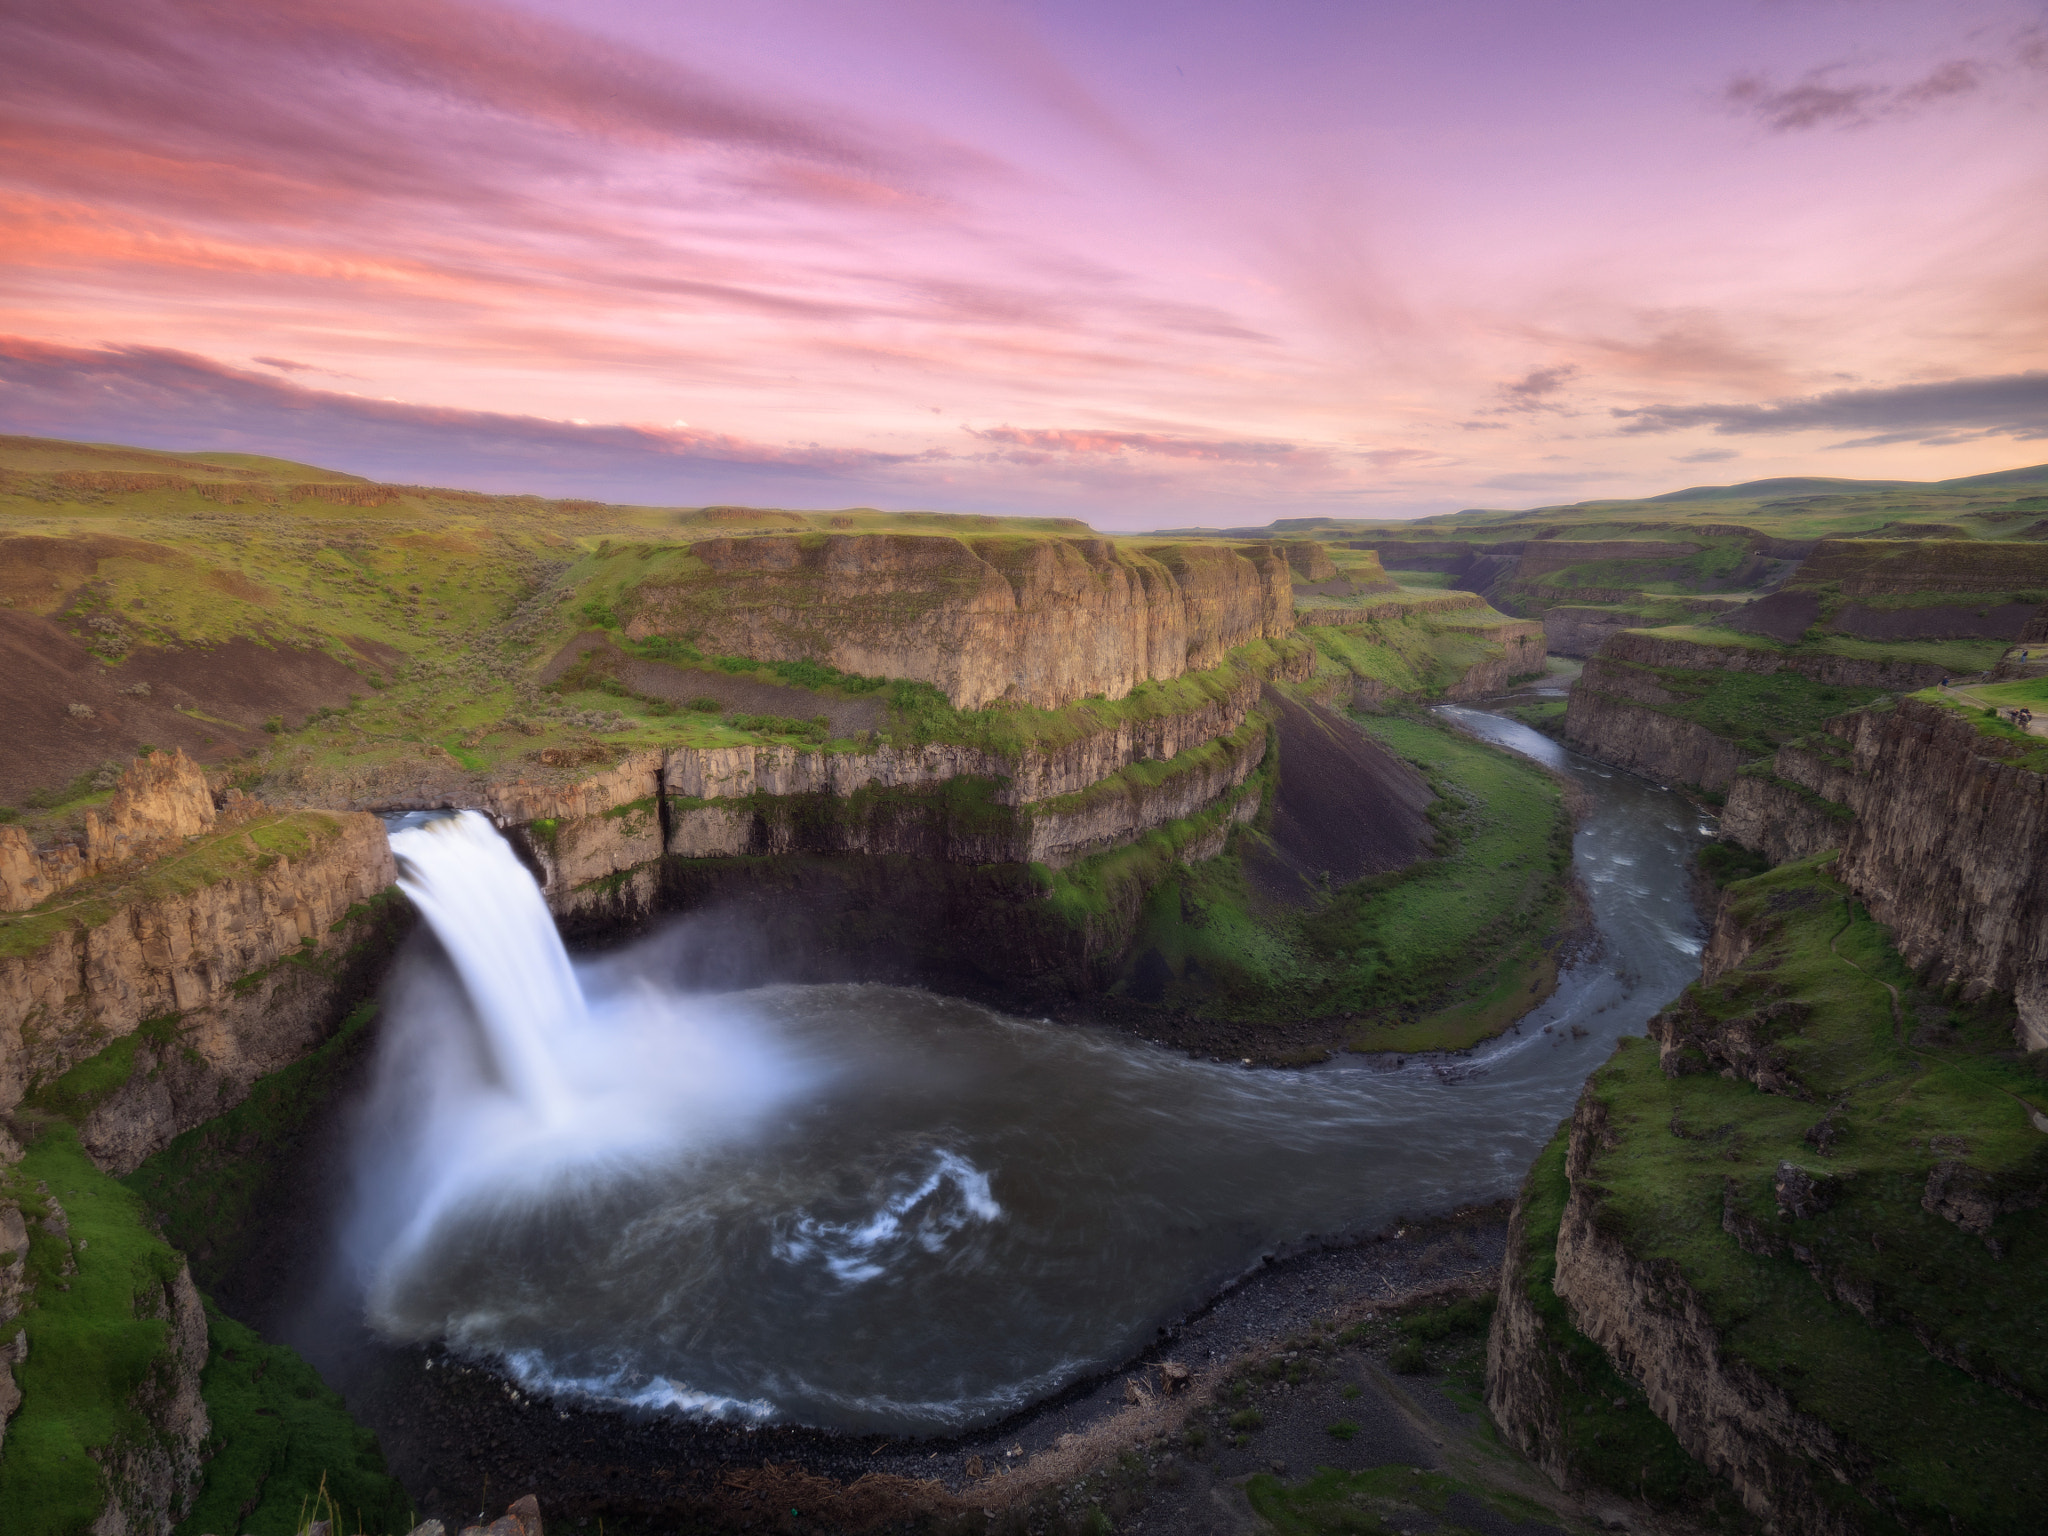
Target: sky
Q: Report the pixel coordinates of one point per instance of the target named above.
(1157, 263)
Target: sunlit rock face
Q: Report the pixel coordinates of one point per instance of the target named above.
(1035, 621)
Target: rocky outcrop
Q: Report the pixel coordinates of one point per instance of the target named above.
(162, 800)
(1522, 655)
(1879, 567)
(1730, 1417)
(1618, 730)
(1041, 621)
(1780, 818)
(1941, 835)
(1652, 650)
(152, 1478)
(234, 953)
(1522, 1378)
(1619, 710)
(1947, 851)
(1580, 631)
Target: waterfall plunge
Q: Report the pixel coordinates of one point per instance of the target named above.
(503, 1089)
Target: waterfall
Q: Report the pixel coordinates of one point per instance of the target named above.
(509, 1080)
(499, 935)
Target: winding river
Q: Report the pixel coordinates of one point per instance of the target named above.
(871, 1208)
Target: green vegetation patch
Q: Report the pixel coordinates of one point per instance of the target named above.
(92, 1341)
(1421, 655)
(1382, 1502)
(1908, 1334)
(87, 1086)
(1758, 711)
(284, 1450)
(206, 1189)
(1435, 956)
(1962, 657)
(1603, 1429)
(238, 853)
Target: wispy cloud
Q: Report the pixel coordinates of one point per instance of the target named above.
(152, 395)
(1067, 440)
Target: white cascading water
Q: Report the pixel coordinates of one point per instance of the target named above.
(490, 918)
(513, 1089)
(872, 1208)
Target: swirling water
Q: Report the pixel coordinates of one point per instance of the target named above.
(869, 1207)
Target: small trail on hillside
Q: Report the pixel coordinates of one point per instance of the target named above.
(1898, 1018)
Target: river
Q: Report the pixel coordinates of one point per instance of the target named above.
(873, 1208)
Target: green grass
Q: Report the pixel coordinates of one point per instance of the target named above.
(88, 1349)
(284, 1450)
(1962, 657)
(207, 1188)
(239, 853)
(1377, 1503)
(1436, 956)
(1942, 1083)
(1758, 711)
(1420, 655)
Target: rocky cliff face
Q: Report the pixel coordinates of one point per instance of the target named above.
(1650, 650)
(1940, 833)
(232, 953)
(1617, 730)
(1946, 850)
(1612, 713)
(1522, 654)
(151, 1479)
(161, 801)
(1038, 621)
(1728, 1416)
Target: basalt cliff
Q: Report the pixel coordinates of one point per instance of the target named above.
(1042, 621)
(1939, 828)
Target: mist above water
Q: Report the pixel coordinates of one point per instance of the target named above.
(872, 1208)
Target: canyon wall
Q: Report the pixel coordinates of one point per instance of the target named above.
(1940, 828)
(1522, 655)
(1728, 1416)
(1605, 718)
(1030, 620)
(1622, 711)
(207, 970)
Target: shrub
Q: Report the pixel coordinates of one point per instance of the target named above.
(1246, 1420)
(1343, 1429)
(274, 725)
(1408, 1358)
(707, 706)
(79, 711)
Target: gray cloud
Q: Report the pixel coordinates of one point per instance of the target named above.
(1945, 411)
(1706, 456)
(1535, 391)
(1819, 100)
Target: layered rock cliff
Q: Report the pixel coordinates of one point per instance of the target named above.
(232, 952)
(162, 799)
(1941, 829)
(1605, 718)
(1632, 704)
(1782, 1462)
(1036, 620)
(1817, 1281)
